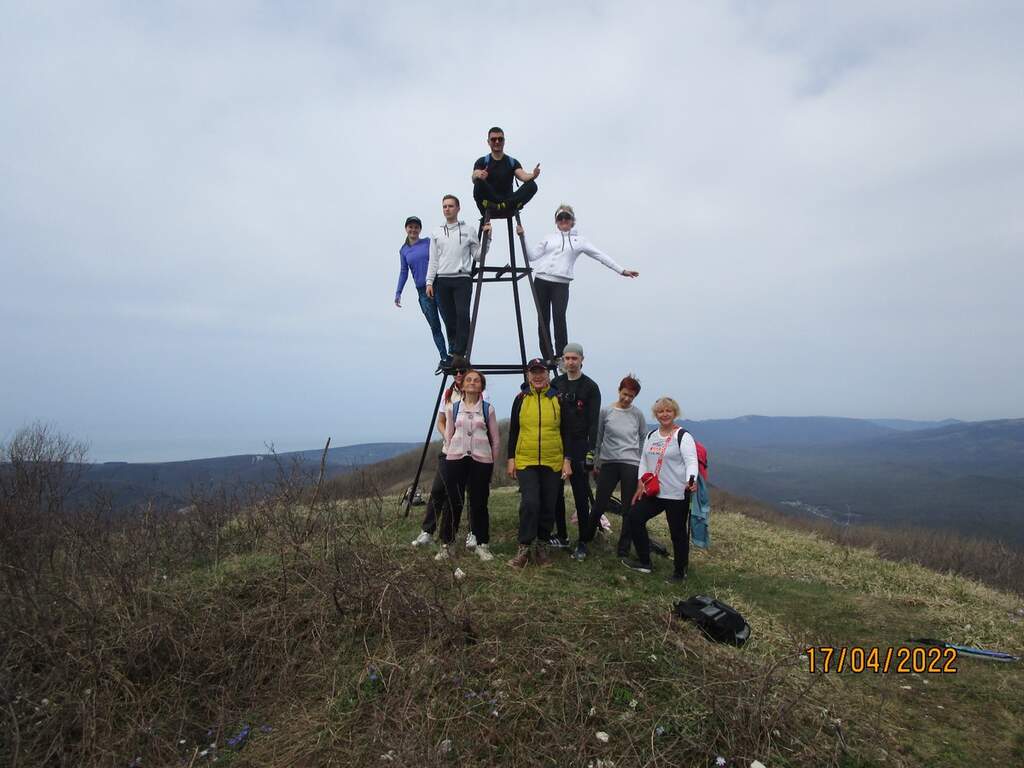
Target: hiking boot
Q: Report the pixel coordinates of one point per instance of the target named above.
(522, 557)
(441, 365)
(484, 553)
(581, 552)
(676, 578)
(540, 554)
(558, 543)
(471, 541)
(423, 538)
(443, 553)
(636, 565)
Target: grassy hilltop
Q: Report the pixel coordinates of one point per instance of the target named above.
(304, 631)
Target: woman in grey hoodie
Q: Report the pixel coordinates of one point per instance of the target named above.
(621, 432)
(553, 261)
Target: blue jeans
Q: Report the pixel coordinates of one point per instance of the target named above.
(429, 307)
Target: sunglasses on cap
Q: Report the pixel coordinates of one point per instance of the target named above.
(563, 216)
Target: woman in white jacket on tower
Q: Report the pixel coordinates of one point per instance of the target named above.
(553, 261)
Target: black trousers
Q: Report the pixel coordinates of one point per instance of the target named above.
(552, 299)
(482, 190)
(579, 481)
(612, 474)
(437, 502)
(678, 513)
(476, 476)
(453, 295)
(538, 493)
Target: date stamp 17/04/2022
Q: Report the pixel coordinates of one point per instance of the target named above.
(900, 659)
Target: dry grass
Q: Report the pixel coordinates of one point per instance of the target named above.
(991, 562)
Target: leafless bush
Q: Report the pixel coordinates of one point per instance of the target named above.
(127, 636)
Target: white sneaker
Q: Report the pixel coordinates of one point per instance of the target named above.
(471, 541)
(484, 553)
(442, 554)
(423, 538)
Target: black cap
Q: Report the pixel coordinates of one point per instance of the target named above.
(414, 220)
(536, 363)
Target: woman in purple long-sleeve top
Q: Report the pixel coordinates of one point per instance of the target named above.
(414, 256)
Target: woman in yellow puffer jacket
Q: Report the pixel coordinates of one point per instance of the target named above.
(536, 439)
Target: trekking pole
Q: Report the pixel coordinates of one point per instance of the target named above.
(515, 293)
(484, 247)
(426, 443)
(548, 353)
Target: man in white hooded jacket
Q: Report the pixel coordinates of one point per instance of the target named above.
(553, 261)
(453, 249)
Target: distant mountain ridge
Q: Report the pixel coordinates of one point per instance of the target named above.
(966, 476)
(170, 482)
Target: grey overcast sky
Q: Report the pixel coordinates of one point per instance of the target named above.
(201, 206)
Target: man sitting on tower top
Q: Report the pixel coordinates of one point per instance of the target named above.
(492, 179)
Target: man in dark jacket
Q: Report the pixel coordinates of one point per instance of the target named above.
(580, 399)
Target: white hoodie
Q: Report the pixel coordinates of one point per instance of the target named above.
(453, 247)
(556, 254)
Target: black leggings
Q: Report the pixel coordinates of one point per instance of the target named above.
(678, 513)
(612, 474)
(552, 298)
(438, 499)
(476, 475)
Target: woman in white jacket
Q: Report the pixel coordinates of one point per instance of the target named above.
(671, 458)
(553, 261)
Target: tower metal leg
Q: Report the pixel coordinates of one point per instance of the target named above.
(549, 350)
(515, 296)
(426, 444)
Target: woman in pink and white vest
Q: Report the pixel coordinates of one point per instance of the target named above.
(471, 430)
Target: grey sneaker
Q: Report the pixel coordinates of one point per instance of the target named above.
(636, 565)
(443, 553)
(581, 552)
(484, 553)
(471, 541)
(423, 538)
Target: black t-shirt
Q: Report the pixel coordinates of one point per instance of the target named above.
(499, 172)
(581, 406)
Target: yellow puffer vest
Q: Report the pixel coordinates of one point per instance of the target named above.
(540, 436)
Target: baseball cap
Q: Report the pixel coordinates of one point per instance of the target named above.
(414, 220)
(536, 363)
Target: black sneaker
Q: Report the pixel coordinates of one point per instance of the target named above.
(558, 543)
(636, 565)
(458, 362)
(676, 578)
(441, 366)
(581, 552)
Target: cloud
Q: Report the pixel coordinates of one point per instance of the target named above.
(202, 206)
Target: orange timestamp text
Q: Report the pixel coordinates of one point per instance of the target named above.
(900, 659)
